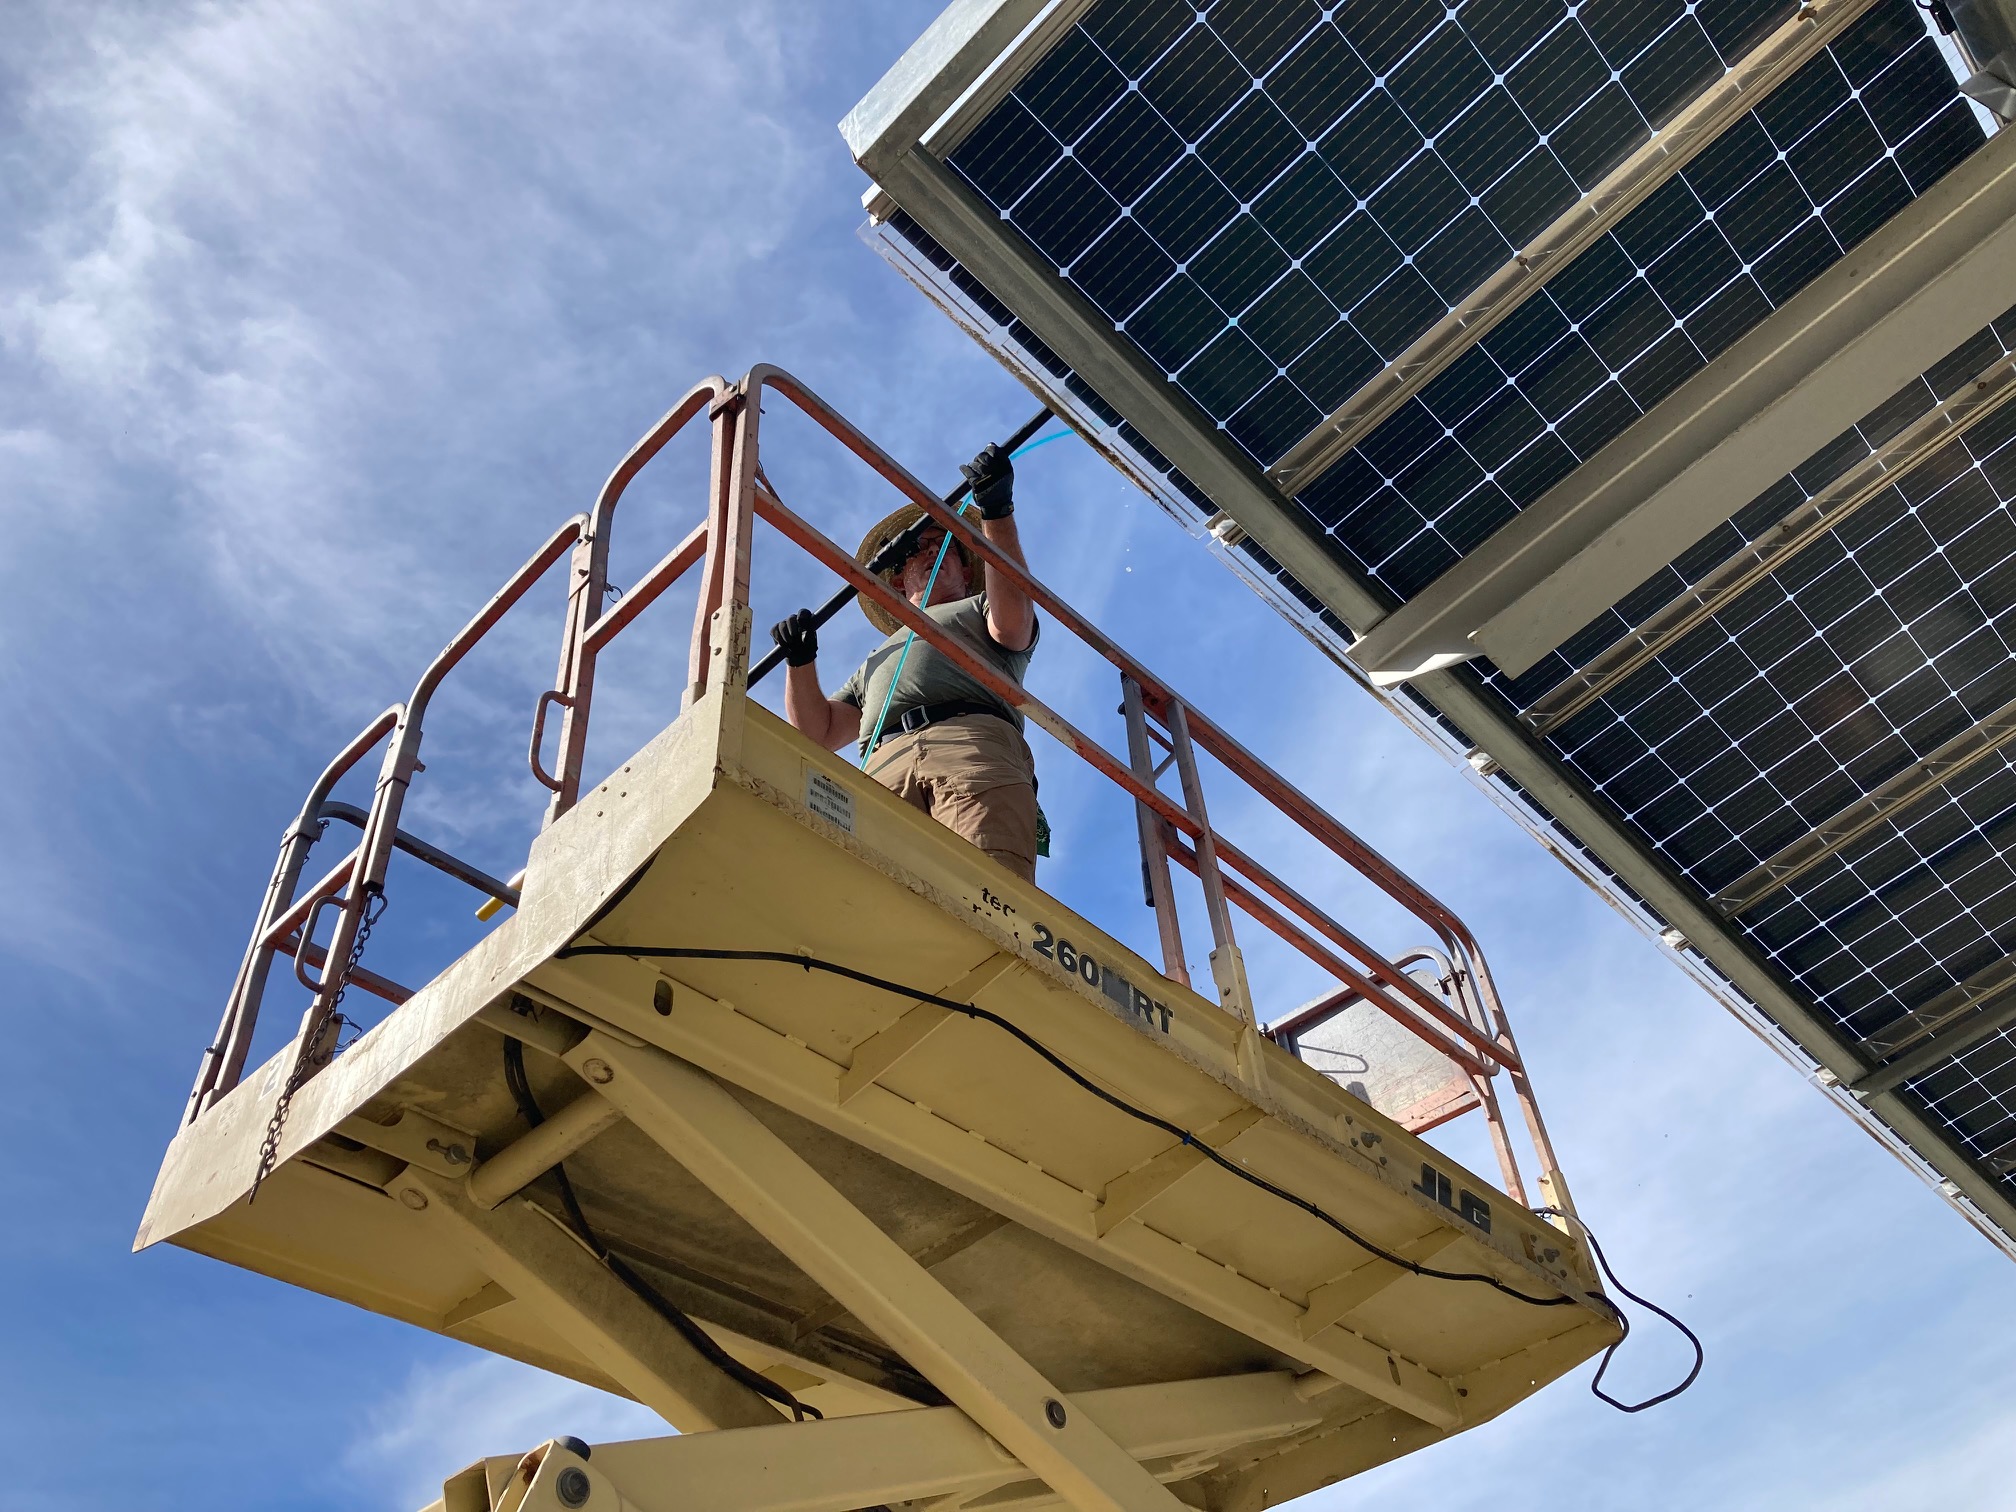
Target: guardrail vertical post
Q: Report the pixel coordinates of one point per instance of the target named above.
(1154, 842)
(1228, 967)
(587, 586)
(724, 582)
(224, 1060)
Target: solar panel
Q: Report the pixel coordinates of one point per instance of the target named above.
(1890, 635)
(1269, 200)
(1774, 203)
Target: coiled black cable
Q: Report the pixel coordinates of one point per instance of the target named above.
(649, 1295)
(1596, 1385)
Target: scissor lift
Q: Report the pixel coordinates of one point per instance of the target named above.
(841, 1118)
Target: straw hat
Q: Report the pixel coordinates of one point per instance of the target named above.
(881, 535)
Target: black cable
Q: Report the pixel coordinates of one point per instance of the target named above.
(1596, 1385)
(813, 963)
(649, 1295)
(973, 1011)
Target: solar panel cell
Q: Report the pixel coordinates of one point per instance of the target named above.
(1908, 92)
(1385, 31)
(1536, 469)
(1599, 417)
(1499, 428)
(1462, 255)
(1186, 209)
(1130, 148)
(1627, 324)
(1461, 387)
(1622, 29)
(1007, 153)
(1557, 382)
(1237, 267)
(1727, 316)
(1333, 368)
(1303, 206)
(1418, 563)
(1175, 323)
(1287, 319)
(1867, 48)
(1693, 269)
(1071, 87)
(1353, 261)
(1397, 312)
(1225, 373)
(1121, 269)
(1439, 79)
(1134, 33)
(1669, 363)
(1065, 212)
(1796, 261)
(1553, 80)
(1318, 81)
(1250, 146)
(1485, 140)
(1738, 155)
(1480, 513)
(1195, 83)
(1504, 30)
(1672, 71)
(1273, 419)
(1834, 153)
(1368, 146)
(1418, 201)
(1531, 197)
(1440, 477)
(1927, 155)
(1261, 32)
(1599, 136)
(1801, 103)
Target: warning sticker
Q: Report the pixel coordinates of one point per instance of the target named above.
(828, 799)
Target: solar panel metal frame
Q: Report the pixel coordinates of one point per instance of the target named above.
(1201, 479)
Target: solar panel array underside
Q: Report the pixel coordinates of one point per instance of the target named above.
(1887, 637)
(1271, 200)
(1249, 194)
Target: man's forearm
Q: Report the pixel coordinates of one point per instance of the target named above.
(810, 711)
(805, 703)
(1011, 616)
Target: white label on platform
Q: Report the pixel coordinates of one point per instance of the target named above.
(829, 799)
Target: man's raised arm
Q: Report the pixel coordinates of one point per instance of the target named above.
(1011, 617)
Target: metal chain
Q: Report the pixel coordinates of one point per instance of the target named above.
(304, 1059)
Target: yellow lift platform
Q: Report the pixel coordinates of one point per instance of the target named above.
(885, 1178)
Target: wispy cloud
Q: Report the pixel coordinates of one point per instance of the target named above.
(445, 1416)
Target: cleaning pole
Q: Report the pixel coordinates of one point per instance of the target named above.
(897, 552)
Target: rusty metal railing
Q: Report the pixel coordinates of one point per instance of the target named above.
(1463, 1020)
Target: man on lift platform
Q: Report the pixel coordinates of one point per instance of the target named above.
(947, 745)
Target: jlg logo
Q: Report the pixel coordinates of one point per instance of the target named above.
(1469, 1206)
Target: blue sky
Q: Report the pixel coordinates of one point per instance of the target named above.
(314, 320)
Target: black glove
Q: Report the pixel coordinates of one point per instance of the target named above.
(798, 638)
(992, 477)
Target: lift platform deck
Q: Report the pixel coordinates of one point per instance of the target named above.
(1102, 1240)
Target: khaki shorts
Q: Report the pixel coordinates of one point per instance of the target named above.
(974, 775)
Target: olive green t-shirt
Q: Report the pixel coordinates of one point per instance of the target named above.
(929, 676)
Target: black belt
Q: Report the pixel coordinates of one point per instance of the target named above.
(925, 715)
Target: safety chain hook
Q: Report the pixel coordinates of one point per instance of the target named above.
(306, 1060)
